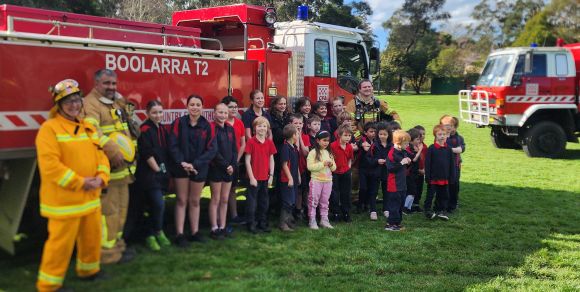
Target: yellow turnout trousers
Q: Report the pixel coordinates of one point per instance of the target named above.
(85, 231)
(114, 203)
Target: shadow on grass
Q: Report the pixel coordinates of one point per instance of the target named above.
(495, 231)
(571, 154)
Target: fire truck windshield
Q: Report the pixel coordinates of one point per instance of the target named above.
(496, 71)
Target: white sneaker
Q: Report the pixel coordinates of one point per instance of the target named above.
(312, 224)
(386, 213)
(325, 224)
(374, 216)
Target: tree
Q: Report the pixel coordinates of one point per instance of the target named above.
(409, 26)
(557, 20)
(448, 63)
(505, 19)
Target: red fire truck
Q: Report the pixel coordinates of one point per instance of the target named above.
(212, 52)
(529, 99)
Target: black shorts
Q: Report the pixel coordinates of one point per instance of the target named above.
(201, 175)
(218, 175)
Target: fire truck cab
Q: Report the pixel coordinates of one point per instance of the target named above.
(529, 99)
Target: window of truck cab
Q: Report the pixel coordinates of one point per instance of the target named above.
(321, 58)
(351, 63)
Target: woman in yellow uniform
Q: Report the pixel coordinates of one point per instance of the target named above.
(73, 170)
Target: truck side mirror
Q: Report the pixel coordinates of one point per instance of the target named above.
(528, 63)
(375, 60)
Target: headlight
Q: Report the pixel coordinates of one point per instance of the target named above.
(270, 16)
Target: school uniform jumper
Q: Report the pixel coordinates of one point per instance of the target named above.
(376, 152)
(396, 185)
(367, 176)
(226, 154)
(453, 141)
(342, 179)
(191, 144)
(439, 171)
(153, 143)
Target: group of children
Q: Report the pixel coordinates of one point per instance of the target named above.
(308, 157)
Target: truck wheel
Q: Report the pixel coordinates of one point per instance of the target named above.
(503, 141)
(545, 139)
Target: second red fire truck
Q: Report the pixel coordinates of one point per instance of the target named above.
(529, 99)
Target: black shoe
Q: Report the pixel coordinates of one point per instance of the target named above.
(217, 234)
(263, 227)
(430, 215)
(98, 276)
(228, 232)
(346, 218)
(128, 255)
(237, 220)
(181, 241)
(335, 217)
(252, 228)
(197, 237)
(416, 208)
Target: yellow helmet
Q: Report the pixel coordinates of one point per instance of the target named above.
(64, 89)
(125, 145)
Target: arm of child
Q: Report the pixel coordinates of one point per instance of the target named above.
(249, 171)
(286, 171)
(333, 166)
(271, 170)
(311, 162)
(242, 148)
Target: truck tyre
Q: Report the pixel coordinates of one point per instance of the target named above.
(503, 141)
(545, 139)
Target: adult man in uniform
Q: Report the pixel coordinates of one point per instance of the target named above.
(365, 107)
(108, 115)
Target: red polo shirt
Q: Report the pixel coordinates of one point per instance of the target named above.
(260, 153)
(341, 156)
(239, 130)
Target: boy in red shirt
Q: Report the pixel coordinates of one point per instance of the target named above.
(341, 178)
(260, 168)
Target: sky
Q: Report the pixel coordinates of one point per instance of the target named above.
(460, 11)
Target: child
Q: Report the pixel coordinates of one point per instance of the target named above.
(192, 147)
(260, 168)
(151, 174)
(313, 125)
(303, 107)
(321, 165)
(343, 154)
(255, 110)
(222, 170)
(240, 131)
(457, 144)
(396, 181)
(414, 152)
(337, 108)
(439, 171)
(367, 177)
(378, 159)
(321, 111)
(303, 144)
(289, 177)
(421, 177)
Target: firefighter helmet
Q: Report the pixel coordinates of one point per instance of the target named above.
(64, 89)
(125, 144)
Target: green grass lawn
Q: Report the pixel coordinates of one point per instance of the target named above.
(517, 228)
